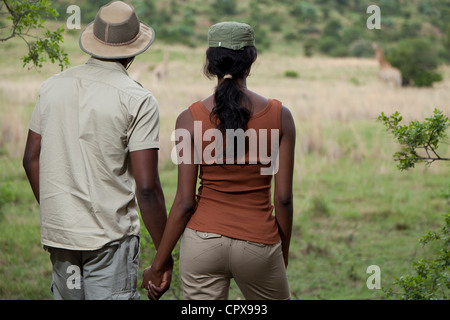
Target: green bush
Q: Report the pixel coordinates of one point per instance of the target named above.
(178, 33)
(309, 46)
(332, 29)
(304, 11)
(292, 35)
(361, 48)
(225, 7)
(446, 43)
(425, 78)
(351, 34)
(430, 279)
(419, 141)
(332, 47)
(410, 29)
(417, 59)
(291, 74)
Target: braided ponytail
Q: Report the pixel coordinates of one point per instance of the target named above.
(232, 107)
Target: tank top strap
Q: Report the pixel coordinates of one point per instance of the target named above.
(276, 112)
(269, 117)
(199, 112)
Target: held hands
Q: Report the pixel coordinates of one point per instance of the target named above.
(157, 282)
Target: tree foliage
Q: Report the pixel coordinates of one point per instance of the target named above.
(26, 20)
(419, 140)
(340, 27)
(430, 279)
(417, 59)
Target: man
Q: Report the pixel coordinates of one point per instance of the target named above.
(93, 137)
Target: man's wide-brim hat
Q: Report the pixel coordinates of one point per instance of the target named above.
(116, 33)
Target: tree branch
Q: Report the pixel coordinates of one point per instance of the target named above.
(31, 14)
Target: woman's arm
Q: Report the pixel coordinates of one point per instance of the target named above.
(180, 213)
(283, 199)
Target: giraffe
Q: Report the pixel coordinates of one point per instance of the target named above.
(387, 72)
(161, 71)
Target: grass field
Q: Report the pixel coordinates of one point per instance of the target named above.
(352, 208)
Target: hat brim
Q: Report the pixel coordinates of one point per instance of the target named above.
(95, 48)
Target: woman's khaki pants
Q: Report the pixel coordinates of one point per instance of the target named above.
(208, 261)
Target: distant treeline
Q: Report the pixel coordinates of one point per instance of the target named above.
(330, 27)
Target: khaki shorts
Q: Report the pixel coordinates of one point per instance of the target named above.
(208, 261)
(109, 273)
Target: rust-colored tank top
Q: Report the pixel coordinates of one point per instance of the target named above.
(234, 200)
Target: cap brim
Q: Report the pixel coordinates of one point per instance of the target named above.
(95, 48)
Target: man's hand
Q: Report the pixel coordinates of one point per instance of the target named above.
(157, 283)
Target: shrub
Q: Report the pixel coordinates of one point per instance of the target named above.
(291, 74)
(430, 279)
(425, 78)
(419, 141)
(310, 46)
(292, 35)
(304, 11)
(178, 34)
(225, 7)
(339, 51)
(332, 29)
(332, 47)
(361, 48)
(417, 59)
(446, 42)
(351, 34)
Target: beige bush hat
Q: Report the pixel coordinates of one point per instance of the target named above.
(116, 33)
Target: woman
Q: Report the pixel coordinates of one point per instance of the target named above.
(228, 229)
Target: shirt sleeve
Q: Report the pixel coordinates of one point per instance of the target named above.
(143, 132)
(35, 122)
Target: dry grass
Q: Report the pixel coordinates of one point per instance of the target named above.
(328, 91)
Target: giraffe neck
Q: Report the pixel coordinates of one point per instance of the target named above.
(381, 60)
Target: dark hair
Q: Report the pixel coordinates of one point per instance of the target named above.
(232, 107)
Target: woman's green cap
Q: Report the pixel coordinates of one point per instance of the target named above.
(231, 35)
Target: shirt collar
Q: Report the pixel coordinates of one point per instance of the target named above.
(108, 64)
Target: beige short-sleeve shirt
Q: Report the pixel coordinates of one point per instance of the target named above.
(90, 117)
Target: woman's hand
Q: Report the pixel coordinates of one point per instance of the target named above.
(157, 282)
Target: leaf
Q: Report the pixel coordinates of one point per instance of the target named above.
(32, 14)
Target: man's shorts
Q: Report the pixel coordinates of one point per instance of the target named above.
(109, 273)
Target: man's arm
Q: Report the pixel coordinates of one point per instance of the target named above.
(180, 213)
(31, 161)
(151, 202)
(149, 193)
